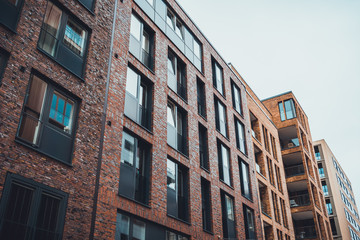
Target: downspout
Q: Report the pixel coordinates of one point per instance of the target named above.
(102, 133)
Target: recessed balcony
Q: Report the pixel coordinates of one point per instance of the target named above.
(288, 138)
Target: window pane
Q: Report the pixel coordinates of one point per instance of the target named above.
(179, 29)
(61, 111)
(128, 149)
(170, 236)
(13, 2)
(124, 228)
(132, 82)
(171, 64)
(237, 100)
(135, 28)
(290, 109)
(241, 136)
(229, 208)
(170, 19)
(245, 181)
(171, 114)
(138, 230)
(226, 165)
(50, 29)
(179, 123)
(171, 174)
(146, 42)
(282, 113)
(151, 2)
(197, 49)
(75, 37)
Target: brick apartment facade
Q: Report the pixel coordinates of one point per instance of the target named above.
(307, 203)
(272, 191)
(339, 196)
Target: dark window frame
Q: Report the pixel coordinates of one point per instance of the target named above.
(248, 234)
(240, 140)
(283, 111)
(139, 189)
(44, 118)
(234, 88)
(218, 123)
(39, 190)
(7, 11)
(215, 64)
(229, 224)
(221, 163)
(203, 147)
(4, 55)
(245, 187)
(179, 76)
(201, 98)
(87, 6)
(206, 205)
(62, 52)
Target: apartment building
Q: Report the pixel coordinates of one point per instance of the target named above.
(53, 66)
(307, 200)
(339, 196)
(272, 192)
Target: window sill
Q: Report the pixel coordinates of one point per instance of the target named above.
(219, 92)
(135, 201)
(250, 199)
(223, 135)
(266, 214)
(183, 154)
(138, 60)
(183, 99)
(203, 117)
(227, 184)
(209, 232)
(205, 169)
(20, 141)
(183, 221)
(9, 28)
(53, 59)
(146, 129)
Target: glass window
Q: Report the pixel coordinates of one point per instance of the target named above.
(170, 19)
(197, 49)
(221, 124)
(129, 228)
(329, 207)
(282, 112)
(249, 223)
(176, 128)
(10, 12)
(224, 163)
(203, 147)
(171, 114)
(206, 204)
(132, 82)
(128, 152)
(240, 136)
(236, 98)
(229, 207)
(290, 109)
(75, 37)
(135, 27)
(179, 29)
(245, 179)
(325, 188)
(201, 98)
(171, 174)
(218, 77)
(3, 60)
(151, 2)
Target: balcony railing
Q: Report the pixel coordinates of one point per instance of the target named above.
(305, 232)
(300, 200)
(291, 144)
(294, 170)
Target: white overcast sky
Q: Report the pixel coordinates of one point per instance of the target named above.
(311, 47)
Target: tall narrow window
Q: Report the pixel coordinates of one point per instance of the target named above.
(273, 145)
(63, 39)
(249, 223)
(141, 41)
(224, 163)
(266, 138)
(138, 98)
(30, 205)
(240, 136)
(129, 228)
(228, 216)
(271, 171)
(197, 49)
(134, 169)
(317, 152)
(206, 205)
(48, 119)
(220, 117)
(201, 98)
(321, 170)
(236, 98)
(176, 75)
(4, 56)
(289, 112)
(329, 207)
(177, 190)
(278, 178)
(203, 147)
(275, 206)
(10, 12)
(176, 127)
(175, 236)
(218, 77)
(283, 211)
(245, 179)
(325, 188)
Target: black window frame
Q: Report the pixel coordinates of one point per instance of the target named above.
(88, 6)
(180, 71)
(131, 220)
(63, 53)
(215, 64)
(44, 146)
(218, 123)
(203, 147)
(249, 234)
(245, 184)
(240, 140)
(221, 163)
(10, 14)
(134, 180)
(179, 208)
(229, 225)
(38, 191)
(4, 58)
(206, 205)
(142, 115)
(235, 88)
(180, 140)
(201, 98)
(283, 111)
(136, 45)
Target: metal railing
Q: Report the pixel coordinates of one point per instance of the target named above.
(300, 200)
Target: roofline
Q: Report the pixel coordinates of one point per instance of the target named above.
(278, 95)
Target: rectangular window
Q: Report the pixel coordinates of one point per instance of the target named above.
(236, 98)
(273, 144)
(64, 39)
(134, 170)
(10, 13)
(89, 4)
(271, 171)
(175, 236)
(275, 206)
(228, 216)
(220, 117)
(141, 41)
(249, 223)
(201, 98)
(203, 147)
(176, 75)
(329, 207)
(284, 214)
(224, 163)
(321, 170)
(289, 112)
(177, 190)
(266, 138)
(175, 24)
(333, 227)
(317, 153)
(206, 205)
(240, 136)
(245, 179)
(197, 49)
(138, 98)
(176, 127)
(129, 228)
(27, 205)
(278, 178)
(4, 56)
(325, 188)
(48, 119)
(218, 77)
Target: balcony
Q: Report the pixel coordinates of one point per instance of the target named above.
(300, 200)
(305, 232)
(288, 137)
(294, 170)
